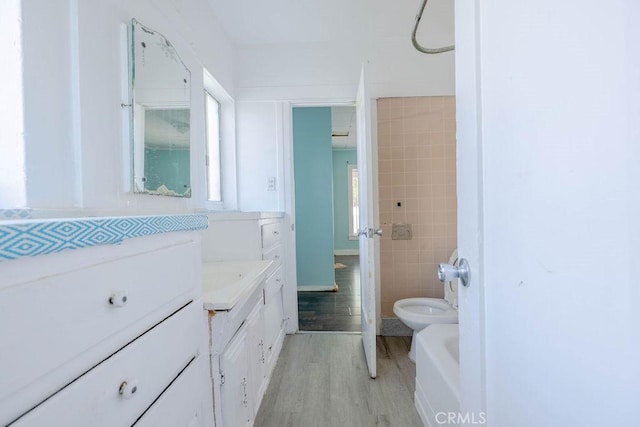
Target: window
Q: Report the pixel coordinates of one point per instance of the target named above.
(220, 140)
(354, 210)
(214, 173)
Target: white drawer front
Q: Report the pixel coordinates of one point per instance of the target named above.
(225, 323)
(182, 403)
(274, 254)
(273, 282)
(149, 364)
(66, 323)
(271, 234)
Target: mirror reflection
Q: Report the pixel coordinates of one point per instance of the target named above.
(160, 97)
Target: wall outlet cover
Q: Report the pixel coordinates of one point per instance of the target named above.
(271, 183)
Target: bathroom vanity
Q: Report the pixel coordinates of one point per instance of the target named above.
(104, 335)
(244, 305)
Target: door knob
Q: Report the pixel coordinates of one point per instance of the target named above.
(378, 232)
(363, 232)
(448, 272)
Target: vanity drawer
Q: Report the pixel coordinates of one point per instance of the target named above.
(271, 234)
(179, 405)
(147, 365)
(66, 323)
(274, 254)
(273, 282)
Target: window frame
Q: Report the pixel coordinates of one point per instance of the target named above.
(353, 217)
(227, 146)
(218, 155)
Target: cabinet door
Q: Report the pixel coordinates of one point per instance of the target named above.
(234, 387)
(255, 329)
(273, 318)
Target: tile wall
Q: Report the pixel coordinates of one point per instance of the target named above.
(417, 184)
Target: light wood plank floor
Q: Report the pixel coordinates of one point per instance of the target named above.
(322, 380)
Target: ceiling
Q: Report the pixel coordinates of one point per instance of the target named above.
(253, 22)
(343, 119)
(336, 26)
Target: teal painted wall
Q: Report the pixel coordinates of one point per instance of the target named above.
(313, 174)
(341, 199)
(168, 167)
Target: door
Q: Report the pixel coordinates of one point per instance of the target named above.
(235, 387)
(257, 381)
(366, 234)
(469, 188)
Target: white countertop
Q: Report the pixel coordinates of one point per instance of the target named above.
(224, 284)
(237, 215)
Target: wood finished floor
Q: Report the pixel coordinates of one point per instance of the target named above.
(334, 311)
(322, 380)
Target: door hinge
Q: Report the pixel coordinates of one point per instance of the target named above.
(221, 378)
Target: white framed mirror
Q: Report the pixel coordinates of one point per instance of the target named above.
(160, 89)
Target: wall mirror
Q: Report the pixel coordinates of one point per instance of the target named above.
(160, 113)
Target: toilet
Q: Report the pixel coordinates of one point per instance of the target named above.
(418, 313)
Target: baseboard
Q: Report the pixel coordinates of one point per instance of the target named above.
(318, 288)
(392, 327)
(339, 252)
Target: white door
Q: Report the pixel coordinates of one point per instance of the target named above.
(235, 390)
(469, 188)
(367, 243)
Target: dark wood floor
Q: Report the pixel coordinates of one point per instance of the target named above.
(322, 380)
(334, 311)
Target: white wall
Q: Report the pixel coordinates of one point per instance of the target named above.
(231, 239)
(48, 103)
(260, 141)
(559, 116)
(331, 70)
(12, 160)
(72, 87)
(320, 65)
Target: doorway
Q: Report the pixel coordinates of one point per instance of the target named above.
(417, 187)
(326, 194)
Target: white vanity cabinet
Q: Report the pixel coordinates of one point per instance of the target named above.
(105, 336)
(245, 322)
(238, 359)
(242, 294)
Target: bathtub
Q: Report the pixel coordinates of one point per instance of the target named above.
(437, 374)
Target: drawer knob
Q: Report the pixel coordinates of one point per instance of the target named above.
(119, 299)
(276, 232)
(128, 389)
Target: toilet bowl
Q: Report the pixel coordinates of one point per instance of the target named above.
(418, 313)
